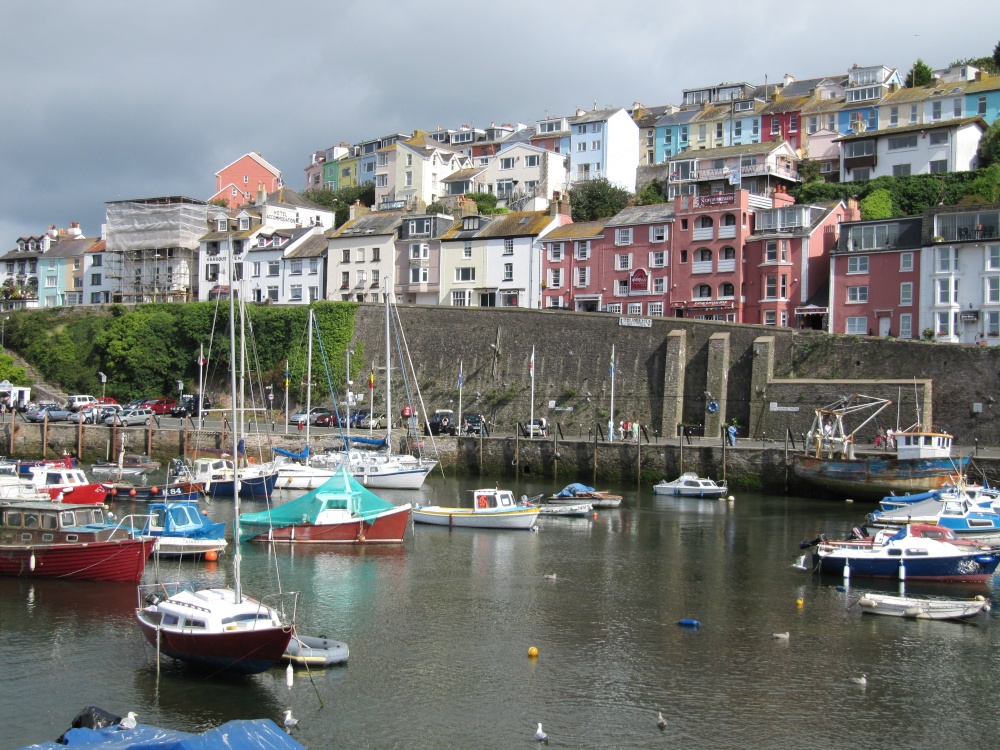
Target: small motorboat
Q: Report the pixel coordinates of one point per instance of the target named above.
(917, 608)
(128, 464)
(954, 509)
(690, 484)
(580, 510)
(491, 509)
(573, 494)
(181, 529)
(310, 651)
(916, 551)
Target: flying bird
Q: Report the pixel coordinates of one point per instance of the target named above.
(660, 721)
(862, 680)
(290, 721)
(128, 722)
(540, 735)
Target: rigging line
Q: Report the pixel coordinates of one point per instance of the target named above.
(400, 334)
(329, 379)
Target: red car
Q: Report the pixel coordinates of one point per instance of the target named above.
(103, 400)
(159, 406)
(327, 420)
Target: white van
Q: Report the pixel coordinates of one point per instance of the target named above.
(78, 402)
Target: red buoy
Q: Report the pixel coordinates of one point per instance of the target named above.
(131, 493)
(211, 555)
(153, 490)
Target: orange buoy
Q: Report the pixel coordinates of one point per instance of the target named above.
(211, 555)
(114, 492)
(131, 493)
(153, 490)
(361, 537)
(533, 652)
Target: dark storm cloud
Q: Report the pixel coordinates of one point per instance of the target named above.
(111, 100)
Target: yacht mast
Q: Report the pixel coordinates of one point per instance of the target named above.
(236, 426)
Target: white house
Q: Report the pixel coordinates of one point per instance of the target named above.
(604, 143)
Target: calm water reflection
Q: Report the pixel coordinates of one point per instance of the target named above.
(439, 631)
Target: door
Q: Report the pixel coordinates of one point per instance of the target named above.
(883, 326)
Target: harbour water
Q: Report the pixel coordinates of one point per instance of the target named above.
(439, 630)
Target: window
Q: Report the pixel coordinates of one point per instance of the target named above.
(857, 326)
(727, 290)
(906, 326)
(460, 298)
(936, 110)
(771, 251)
(273, 267)
(595, 145)
(420, 251)
(902, 141)
(582, 275)
(212, 272)
(359, 256)
(95, 279)
(345, 279)
(635, 308)
(623, 262)
(381, 180)
(581, 146)
(718, 130)
(272, 293)
(737, 129)
(702, 132)
(419, 226)
(419, 274)
(854, 149)
(831, 122)
(755, 128)
(295, 267)
(942, 323)
(793, 123)
(857, 264)
(613, 308)
(775, 125)
(295, 292)
(913, 114)
(507, 162)
(893, 116)
(658, 234)
(508, 271)
(812, 125)
(863, 94)
(993, 257)
(222, 225)
(361, 278)
(375, 278)
(862, 173)
(946, 291)
(97, 260)
(770, 287)
(659, 285)
(770, 318)
(623, 236)
(991, 293)
(376, 254)
(556, 252)
(655, 309)
(873, 236)
(906, 293)
(857, 294)
(658, 259)
(583, 250)
(555, 278)
(900, 170)
(508, 247)
(981, 106)
(313, 266)
(991, 323)
(947, 260)
(956, 107)
(532, 160)
(621, 287)
(345, 255)
(465, 274)
(906, 262)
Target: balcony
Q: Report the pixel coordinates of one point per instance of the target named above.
(726, 266)
(966, 234)
(701, 266)
(749, 170)
(702, 233)
(727, 233)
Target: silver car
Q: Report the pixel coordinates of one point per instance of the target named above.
(53, 413)
(130, 416)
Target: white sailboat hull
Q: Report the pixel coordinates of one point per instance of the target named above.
(389, 477)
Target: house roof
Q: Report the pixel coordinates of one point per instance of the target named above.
(288, 197)
(654, 214)
(816, 218)
(767, 147)
(806, 85)
(577, 230)
(68, 248)
(464, 174)
(517, 224)
(822, 106)
(989, 83)
(956, 123)
(257, 158)
(313, 247)
(596, 115)
(793, 104)
(923, 93)
(677, 118)
(376, 222)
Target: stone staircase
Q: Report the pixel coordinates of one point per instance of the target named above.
(40, 389)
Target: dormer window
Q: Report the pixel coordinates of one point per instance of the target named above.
(22, 245)
(222, 225)
(32, 245)
(244, 223)
(262, 241)
(470, 222)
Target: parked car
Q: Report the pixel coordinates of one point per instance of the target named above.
(188, 406)
(327, 420)
(53, 412)
(475, 424)
(442, 423)
(80, 401)
(160, 406)
(374, 422)
(358, 416)
(537, 427)
(130, 417)
(89, 415)
(106, 400)
(300, 417)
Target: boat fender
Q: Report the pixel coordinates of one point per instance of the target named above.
(713, 406)
(482, 501)
(688, 623)
(866, 602)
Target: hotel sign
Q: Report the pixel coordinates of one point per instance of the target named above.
(639, 281)
(724, 199)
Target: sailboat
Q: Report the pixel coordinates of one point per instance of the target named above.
(217, 628)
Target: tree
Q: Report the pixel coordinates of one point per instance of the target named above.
(592, 200)
(989, 146)
(220, 202)
(920, 74)
(877, 205)
(340, 201)
(485, 202)
(651, 194)
(996, 58)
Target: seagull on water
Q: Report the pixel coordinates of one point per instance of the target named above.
(290, 721)
(782, 636)
(660, 721)
(551, 576)
(128, 722)
(540, 735)
(862, 680)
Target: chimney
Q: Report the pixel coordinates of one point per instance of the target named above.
(74, 230)
(358, 210)
(261, 195)
(789, 78)
(559, 205)
(53, 232)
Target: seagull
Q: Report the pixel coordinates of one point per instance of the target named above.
(660, 721)
(128, 722)
(540, 735)
(551, 576)
(862, 680)
(782, 636)
(290, 721)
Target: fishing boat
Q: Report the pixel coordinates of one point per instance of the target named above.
(914, 552)
(919, 608)
(179, 487)
(128, 464)
(690, 484)
(341, 511)
(68, 485)
(829, 461)
(181, 530)
(573, 494)
(953, 509)
(218, 629)
(79, 542)
(491, 509)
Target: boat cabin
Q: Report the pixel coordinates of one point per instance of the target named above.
(923, 445)
(181, 519)
(492, 499)
(42, 522)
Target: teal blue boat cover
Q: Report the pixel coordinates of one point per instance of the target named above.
(256, 734)
(340, 492)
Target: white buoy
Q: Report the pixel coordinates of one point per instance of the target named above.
(847, 570)
(289, 676)
(902, 570)
(31, 562)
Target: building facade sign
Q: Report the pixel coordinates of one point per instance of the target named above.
(639, 281)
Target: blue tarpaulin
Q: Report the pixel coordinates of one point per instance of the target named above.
(572, 490)
(255, 734)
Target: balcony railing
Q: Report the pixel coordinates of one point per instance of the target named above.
(966, 234)
(702, 233)
(701, 266)
(727, 265)
(727, 233)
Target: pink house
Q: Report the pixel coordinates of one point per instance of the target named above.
(237, 183)
(788, 262)
(875, 278)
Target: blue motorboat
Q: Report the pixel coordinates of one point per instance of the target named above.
(183, 529)
(953, 509)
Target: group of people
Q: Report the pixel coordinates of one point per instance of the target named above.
(628, 431)
(886, 439)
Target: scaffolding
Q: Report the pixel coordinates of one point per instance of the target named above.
(152, 248)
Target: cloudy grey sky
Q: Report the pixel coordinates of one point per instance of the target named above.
(111, 99)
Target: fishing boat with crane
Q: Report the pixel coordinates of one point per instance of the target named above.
(831, 462)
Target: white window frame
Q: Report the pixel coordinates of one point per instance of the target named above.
(857, 264)
(905, 262)
(856, 326)
(623, 236)
(857, 295)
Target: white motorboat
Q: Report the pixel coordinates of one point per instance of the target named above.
(922, 609)
(581, 510)
(491, 509)
(690, 484)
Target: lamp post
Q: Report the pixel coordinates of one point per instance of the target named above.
(180, 389)
(104, 382)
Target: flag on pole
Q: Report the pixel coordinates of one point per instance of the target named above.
(371, 380)
(287, 376)
(611, 371)
(735, 175)
(531, 363)
(460, 376)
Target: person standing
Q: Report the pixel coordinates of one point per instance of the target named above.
(635, 431)
(731, 435)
